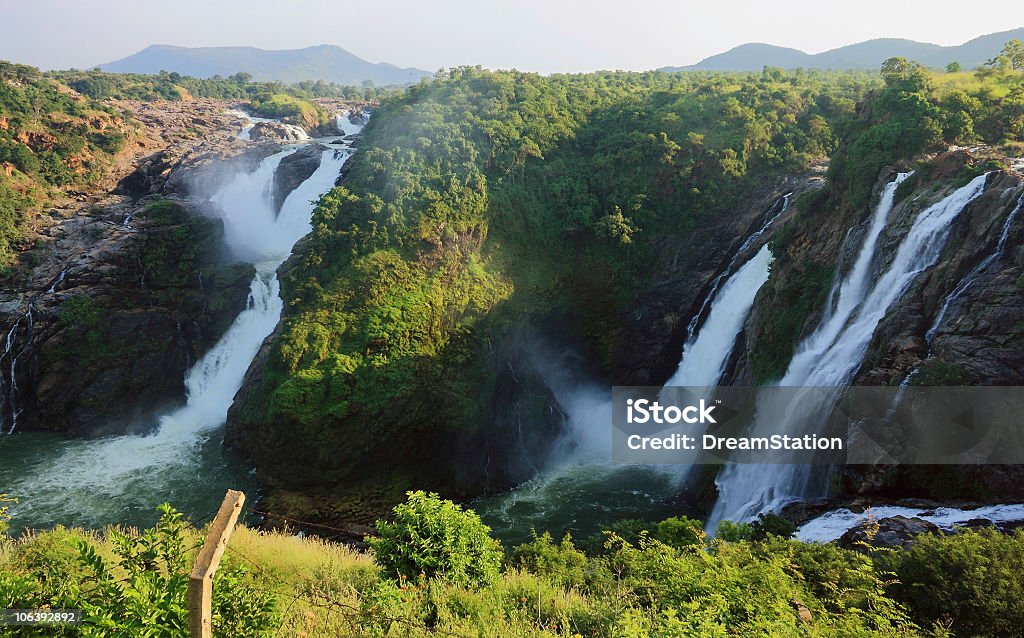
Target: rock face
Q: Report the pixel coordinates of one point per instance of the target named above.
(124, 292)
(114, 329)
(980, 341)
(295, 169)
(896, 531)
(649, 350)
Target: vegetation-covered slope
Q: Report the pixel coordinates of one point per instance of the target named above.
(51, 138)
(484, 209)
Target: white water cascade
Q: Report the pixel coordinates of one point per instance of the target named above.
(582, 473)
(830, 356)
(832, 525)
(705, 356)
(89, 477)
(691, 329)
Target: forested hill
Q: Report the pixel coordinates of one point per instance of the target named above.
(863, 55)
(489, 215)
(325, 62)
(487, 211)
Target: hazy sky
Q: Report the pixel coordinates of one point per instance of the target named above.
(534, 35)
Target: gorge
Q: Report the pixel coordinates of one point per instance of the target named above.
(468, 290)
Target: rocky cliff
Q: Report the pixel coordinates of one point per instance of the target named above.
(126, 286)
(974, 340)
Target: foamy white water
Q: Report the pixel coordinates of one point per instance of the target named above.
(832, 354)
(704, 359)
(345, 125)
(832, 525)
(581, 487)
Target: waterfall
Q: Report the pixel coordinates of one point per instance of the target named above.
(343, 122)
(57, 282)
(691, 329)
(581, 474)
(13, 352)
(706, 355)
(88, 478)
(830, 356)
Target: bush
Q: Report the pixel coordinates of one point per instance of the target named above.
(973, 580)
(680, 532)
(734, 532)
(141, 591)
(5, 517)
(436, 538)
(770, 524)
(151, 601)
(561, 563)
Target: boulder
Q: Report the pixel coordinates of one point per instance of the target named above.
(276, 132)
(896, 531)
(295, 169)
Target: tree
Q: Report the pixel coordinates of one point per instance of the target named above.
(902, 74)
(953, 67)
(1011, 58)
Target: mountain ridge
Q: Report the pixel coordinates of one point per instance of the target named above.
(326, 62)
(869, 54)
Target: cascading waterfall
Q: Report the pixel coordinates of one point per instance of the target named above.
(951, 299)
(582, 474)
(705, 356)
(343, 122)
(13, 351)
(830, 356)
(88, 479)
(691, 329)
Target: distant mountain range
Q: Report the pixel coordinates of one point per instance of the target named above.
(864, 55)
(325, 62)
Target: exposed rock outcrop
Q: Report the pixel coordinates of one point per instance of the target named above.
(896, 531)
(123, 292)
(295, 169)
(277, 132)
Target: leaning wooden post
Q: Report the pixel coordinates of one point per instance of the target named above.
(200, 581)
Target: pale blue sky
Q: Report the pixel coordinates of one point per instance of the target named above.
(535, 35)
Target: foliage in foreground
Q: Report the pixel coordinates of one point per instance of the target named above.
(131, 584)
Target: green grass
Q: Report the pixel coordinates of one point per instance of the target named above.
(671, 581)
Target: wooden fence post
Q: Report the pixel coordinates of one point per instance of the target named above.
(200, 581)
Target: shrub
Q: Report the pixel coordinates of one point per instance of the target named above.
(5, 517)
(972, 579)
(151, 600)
(680, 532)
(436, 538)
(561, 563)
